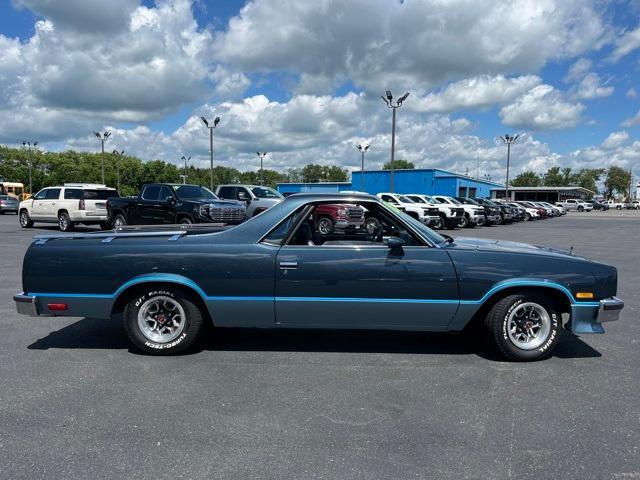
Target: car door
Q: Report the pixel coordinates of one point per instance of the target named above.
(153, 207)
(353, 284)
(38, 205)
(50, 204)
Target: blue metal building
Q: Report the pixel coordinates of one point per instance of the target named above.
(430, 181)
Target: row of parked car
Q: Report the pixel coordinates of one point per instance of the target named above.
(173, 203)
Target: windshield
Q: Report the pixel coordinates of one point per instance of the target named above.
(404, 199)
(432, 235)
(437, 200)
(265, 192)
(454, 201)
(191, 192)
(468, 201)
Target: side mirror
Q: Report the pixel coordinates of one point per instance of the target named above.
(395, 243)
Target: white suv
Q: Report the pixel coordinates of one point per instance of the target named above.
(68, 205)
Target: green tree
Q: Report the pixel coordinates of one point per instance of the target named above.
(557, 177)
(617, 181)
(589, 178)
(399, 165)
(527, 178)
(323, 173)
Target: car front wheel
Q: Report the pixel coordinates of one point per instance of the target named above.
(25, 219)
(325, 226)
(524, 327)
(163, 321)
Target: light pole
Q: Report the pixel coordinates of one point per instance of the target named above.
(389, 101)
(363, 148)
(28, 144)
(508, 140)
(103, 138)
(262, 156)
(118, 154)
(216, 121)
(185, 160)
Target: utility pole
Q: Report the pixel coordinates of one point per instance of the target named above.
(184, 177)
(508, 140)
(28, 145)
(262, 156)
(363, 148)
(216, 121)
(118, 154)
(103, 138)
(389, 101)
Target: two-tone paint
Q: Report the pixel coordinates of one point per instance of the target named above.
(244, 281)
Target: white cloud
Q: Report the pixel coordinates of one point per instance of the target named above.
(408, 45)
(626, 44)
(543, 107)
(590, 87)
(615, 140)
(477, 92)
(229, 84)
(578, 70)
(633, 121)
(632, 93)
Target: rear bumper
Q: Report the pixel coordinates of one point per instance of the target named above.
(26, 305)
(8, 208)
(83, 216)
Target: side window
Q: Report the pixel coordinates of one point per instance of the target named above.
(41, 195)
(351, 225)
(53, 194)
(226, 192)
(243, 194)
(278, 234)
(151, 192)
(389, 198)
(72, 194)
(165, 194)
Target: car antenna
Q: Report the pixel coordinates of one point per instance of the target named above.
(571, 250)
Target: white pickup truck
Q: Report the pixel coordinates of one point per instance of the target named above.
(426, 214)
(449, 216)
(575, 204)
(615, 205)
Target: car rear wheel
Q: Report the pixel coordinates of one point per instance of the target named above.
(119, 221)
(25, 219)
(524, 327)
(64, 222)
(163, 321)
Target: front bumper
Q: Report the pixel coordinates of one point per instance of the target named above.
(348, 224)
(588, 318)
(429, 219)
(493, 218)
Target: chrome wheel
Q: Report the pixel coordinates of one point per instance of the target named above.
(529, 325)
(24, 219)
(371, 225)
(119, 221)
(325, 226)
(161, 319)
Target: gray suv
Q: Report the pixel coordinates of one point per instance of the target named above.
(257, 198)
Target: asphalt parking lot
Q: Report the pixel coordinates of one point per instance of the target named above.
(76, 402)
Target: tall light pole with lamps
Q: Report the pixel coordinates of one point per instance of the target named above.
(118, 154)
(28, 145)
(363, 148)
(508, 140)
(185, 160)
(262, 156)
(216, 121)
(103, 138)
(394, 106)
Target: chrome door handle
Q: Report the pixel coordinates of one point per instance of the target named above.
(288, 265)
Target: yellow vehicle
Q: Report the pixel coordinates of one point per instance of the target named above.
(14, 189)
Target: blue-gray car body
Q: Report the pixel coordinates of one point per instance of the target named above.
(244, 281)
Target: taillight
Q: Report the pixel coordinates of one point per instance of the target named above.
(81, 204)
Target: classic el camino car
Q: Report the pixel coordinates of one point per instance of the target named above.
(277, 271)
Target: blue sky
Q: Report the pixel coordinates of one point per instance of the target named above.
(302, 79)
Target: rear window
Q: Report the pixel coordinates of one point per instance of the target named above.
(99, 194)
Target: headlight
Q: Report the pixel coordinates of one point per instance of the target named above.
(342, 212)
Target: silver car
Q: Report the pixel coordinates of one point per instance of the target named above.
(257, 198)
(8, 204)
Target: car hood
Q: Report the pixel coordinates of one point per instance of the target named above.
(468, 243)
(216, 202)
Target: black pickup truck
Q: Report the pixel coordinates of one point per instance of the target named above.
(173, 203)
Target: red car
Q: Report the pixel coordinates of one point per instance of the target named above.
(331, 217)
(541, 211)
